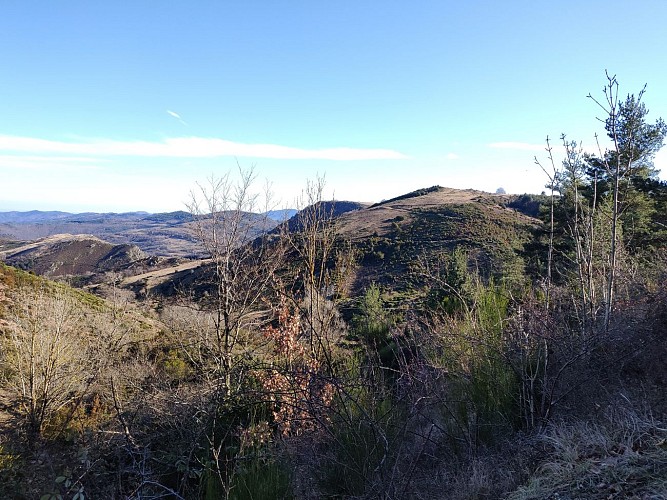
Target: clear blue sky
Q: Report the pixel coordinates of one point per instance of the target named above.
(125, 105)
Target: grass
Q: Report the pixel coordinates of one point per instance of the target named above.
(15, 277)
(624, 455)
(493, 236)
(621, 455)
(412, 194)
(261, 480)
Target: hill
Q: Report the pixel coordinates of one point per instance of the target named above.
(73, 255)
(32, 216)
(396, 239)
(164, 234)
(328, 210)
(60, 348)
(393, 239)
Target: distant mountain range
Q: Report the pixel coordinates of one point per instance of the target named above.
(163, 234)
(36, 216)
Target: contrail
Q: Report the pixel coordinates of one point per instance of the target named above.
(177, 116)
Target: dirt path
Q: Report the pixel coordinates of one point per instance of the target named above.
(154, 277)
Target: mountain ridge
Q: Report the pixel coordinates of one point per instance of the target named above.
(388, 237)
(167, 234)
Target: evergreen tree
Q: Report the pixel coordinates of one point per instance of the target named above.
(627, 171)
(611, 206)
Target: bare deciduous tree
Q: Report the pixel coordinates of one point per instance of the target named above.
(322, 262)
(552, 175)
(229, 220)
(624, 165)
(46, 352)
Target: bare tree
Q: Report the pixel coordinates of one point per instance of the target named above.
(323, 261)
(625, 164)
(552, 175)
(581, 226)
(613, 169)
(229, 221)
(46, 352)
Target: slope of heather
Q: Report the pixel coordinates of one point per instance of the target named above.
(396, 238)
(68, 254)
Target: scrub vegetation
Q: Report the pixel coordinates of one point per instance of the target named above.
(442, 344)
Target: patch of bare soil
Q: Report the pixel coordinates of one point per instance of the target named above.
(154, 278)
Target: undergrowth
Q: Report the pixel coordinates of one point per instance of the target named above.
(623, 455)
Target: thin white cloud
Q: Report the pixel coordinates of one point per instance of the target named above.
(453, 156)
(75, 163)
(189, 147)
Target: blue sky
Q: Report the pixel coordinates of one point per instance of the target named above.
(118, 106)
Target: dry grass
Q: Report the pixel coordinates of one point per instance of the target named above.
(361, 224)
(156, 277)
(624, 455)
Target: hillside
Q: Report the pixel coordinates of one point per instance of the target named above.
(424, 359)
(379, 219)
(76, 343)
(396, 240)
(392, 239)
(328, 210)
(73, 255)
(165, 234)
